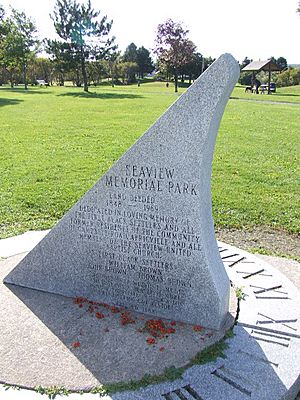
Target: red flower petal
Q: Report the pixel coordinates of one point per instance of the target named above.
(197, 328)
(150, 341)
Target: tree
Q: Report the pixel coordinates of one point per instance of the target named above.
(84, 34)
(245, 62)
(194, 68)
(113, 58)
(245, 77)
(97, 70)
(127, 70)
(289, 77)
(26, 43)
(130, 56)
(2, 13)
(18, 43)
(282, 63)
(65, 60)
(130, 53)
(40, 68)
(173, 48)
(144, 61)
(298, 9)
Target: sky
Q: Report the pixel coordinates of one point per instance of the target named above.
(257, 29)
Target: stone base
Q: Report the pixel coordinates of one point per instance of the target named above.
(40, 332)
(52, 340)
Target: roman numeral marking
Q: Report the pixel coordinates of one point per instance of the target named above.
(269, 335)
(250, 274)
(221, 250)
(257, 358)
(234, 379)
(283, 322)
(278, 339)
(179, 393)
(229, 256)
(233, 262)
(270, 289)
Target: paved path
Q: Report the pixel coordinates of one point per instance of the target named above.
(289, 103)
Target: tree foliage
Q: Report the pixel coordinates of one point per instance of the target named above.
(144, 61)
(173, 48)
(289, 77)
(2, 13)
(84, 35)
(139, 56)
(130, 53)
(245, 62)
(18, 43)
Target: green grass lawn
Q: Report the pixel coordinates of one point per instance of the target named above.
(56, 142)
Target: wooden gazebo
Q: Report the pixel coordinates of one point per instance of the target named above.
(257, 66)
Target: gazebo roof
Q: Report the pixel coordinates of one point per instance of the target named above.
(257, 66)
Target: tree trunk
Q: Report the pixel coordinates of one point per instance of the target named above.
(11, 79)
(112, 79)
(176, 82)
(182, 78)
(25, 77)
(83, 69)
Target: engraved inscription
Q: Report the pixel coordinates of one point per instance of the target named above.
(149, 178)
(135, 240)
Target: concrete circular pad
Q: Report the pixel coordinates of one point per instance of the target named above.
(57, 337)
(52, 340)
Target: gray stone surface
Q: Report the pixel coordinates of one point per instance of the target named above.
(143, 236)
(38, 332)
(21, 243)
(262, 360)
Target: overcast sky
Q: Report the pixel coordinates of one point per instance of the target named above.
(258, 29)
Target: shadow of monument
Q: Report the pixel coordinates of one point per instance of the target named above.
(112, 357)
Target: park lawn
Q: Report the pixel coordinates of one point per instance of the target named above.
(256, 167)
(289, 94)
(56, 142)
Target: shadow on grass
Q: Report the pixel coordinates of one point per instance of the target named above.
(9, 102)
(103, 96)
(23, 91)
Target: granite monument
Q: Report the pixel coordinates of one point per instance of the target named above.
(143, 236)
